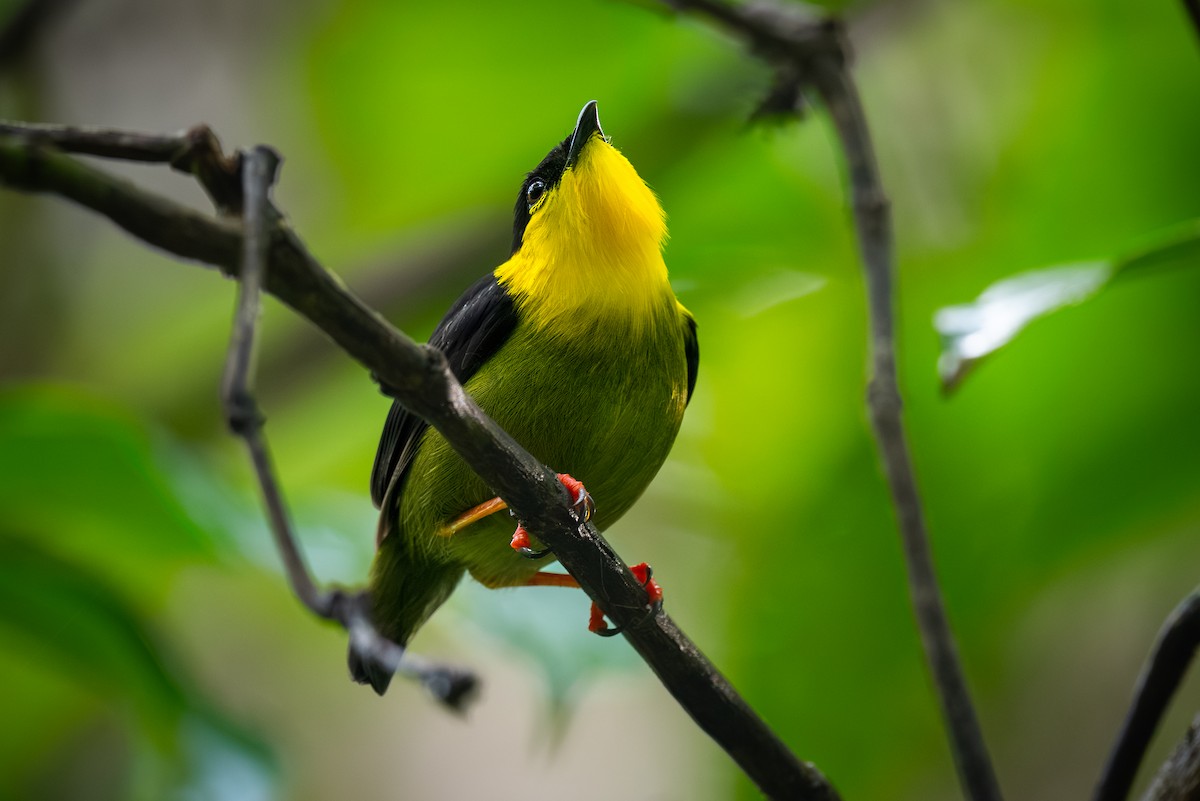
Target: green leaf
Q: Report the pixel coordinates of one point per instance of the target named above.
(87, 480)
(972, 331)
(99, 515)
(70, 621)
(70, 625)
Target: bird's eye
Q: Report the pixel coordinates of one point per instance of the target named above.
(534, 193)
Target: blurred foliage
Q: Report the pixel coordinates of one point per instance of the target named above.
(148, 647)
(972, 331)
(77, 571)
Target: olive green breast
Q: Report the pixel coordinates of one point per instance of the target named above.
(604, 407)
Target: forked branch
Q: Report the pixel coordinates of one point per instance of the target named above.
(418, 376)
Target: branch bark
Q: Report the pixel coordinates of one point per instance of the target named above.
(1179, 777)
(1160, 678)
(812, 54)
(419, 377)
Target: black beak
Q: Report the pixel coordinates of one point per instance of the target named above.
(588, 124)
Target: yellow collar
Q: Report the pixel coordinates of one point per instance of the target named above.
(592, 250)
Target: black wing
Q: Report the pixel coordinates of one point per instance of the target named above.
(476, 326)
(691, 349)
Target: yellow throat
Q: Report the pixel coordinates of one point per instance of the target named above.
(592, 247)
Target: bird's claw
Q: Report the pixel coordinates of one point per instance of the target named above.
(520, 544)
(654, 595)
(582, 505)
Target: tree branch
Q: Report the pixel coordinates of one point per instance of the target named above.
(196, 151)
(419, 377)
(449, 685)
(807, 53)
(1160, 678)
(873, 218)
(1179, 777)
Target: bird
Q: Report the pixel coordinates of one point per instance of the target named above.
(578, 347)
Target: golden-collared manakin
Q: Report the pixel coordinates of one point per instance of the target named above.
(577, 347)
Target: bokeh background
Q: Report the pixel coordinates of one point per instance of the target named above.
(148, 645)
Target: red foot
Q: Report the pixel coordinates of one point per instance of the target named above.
(585, 507)
(644, 575)
(597, 622)
(573, 485)
(654, 595)
(520, 539)
(580, 499)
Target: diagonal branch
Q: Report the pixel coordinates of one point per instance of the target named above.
(419, 377)
(808, 53)
(1160, 678)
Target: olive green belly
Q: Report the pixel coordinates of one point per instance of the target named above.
(605, 410)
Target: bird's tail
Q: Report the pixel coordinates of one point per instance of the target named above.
(366, 668)
(400, 598)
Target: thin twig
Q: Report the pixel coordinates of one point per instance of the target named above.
(873, 218)
(1160, 678)
(809, 52)
(94, 141)
(451, 686)
(196, 151)
(419, 377)
(241, 410)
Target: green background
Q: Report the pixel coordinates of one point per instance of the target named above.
(148, 645)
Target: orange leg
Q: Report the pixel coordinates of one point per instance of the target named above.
(473, 515)
(596, 621)
(544, 579)
(580, 498)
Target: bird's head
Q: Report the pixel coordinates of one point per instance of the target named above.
(585, 204)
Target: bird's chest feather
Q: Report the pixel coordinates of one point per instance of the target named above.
(604, 407)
